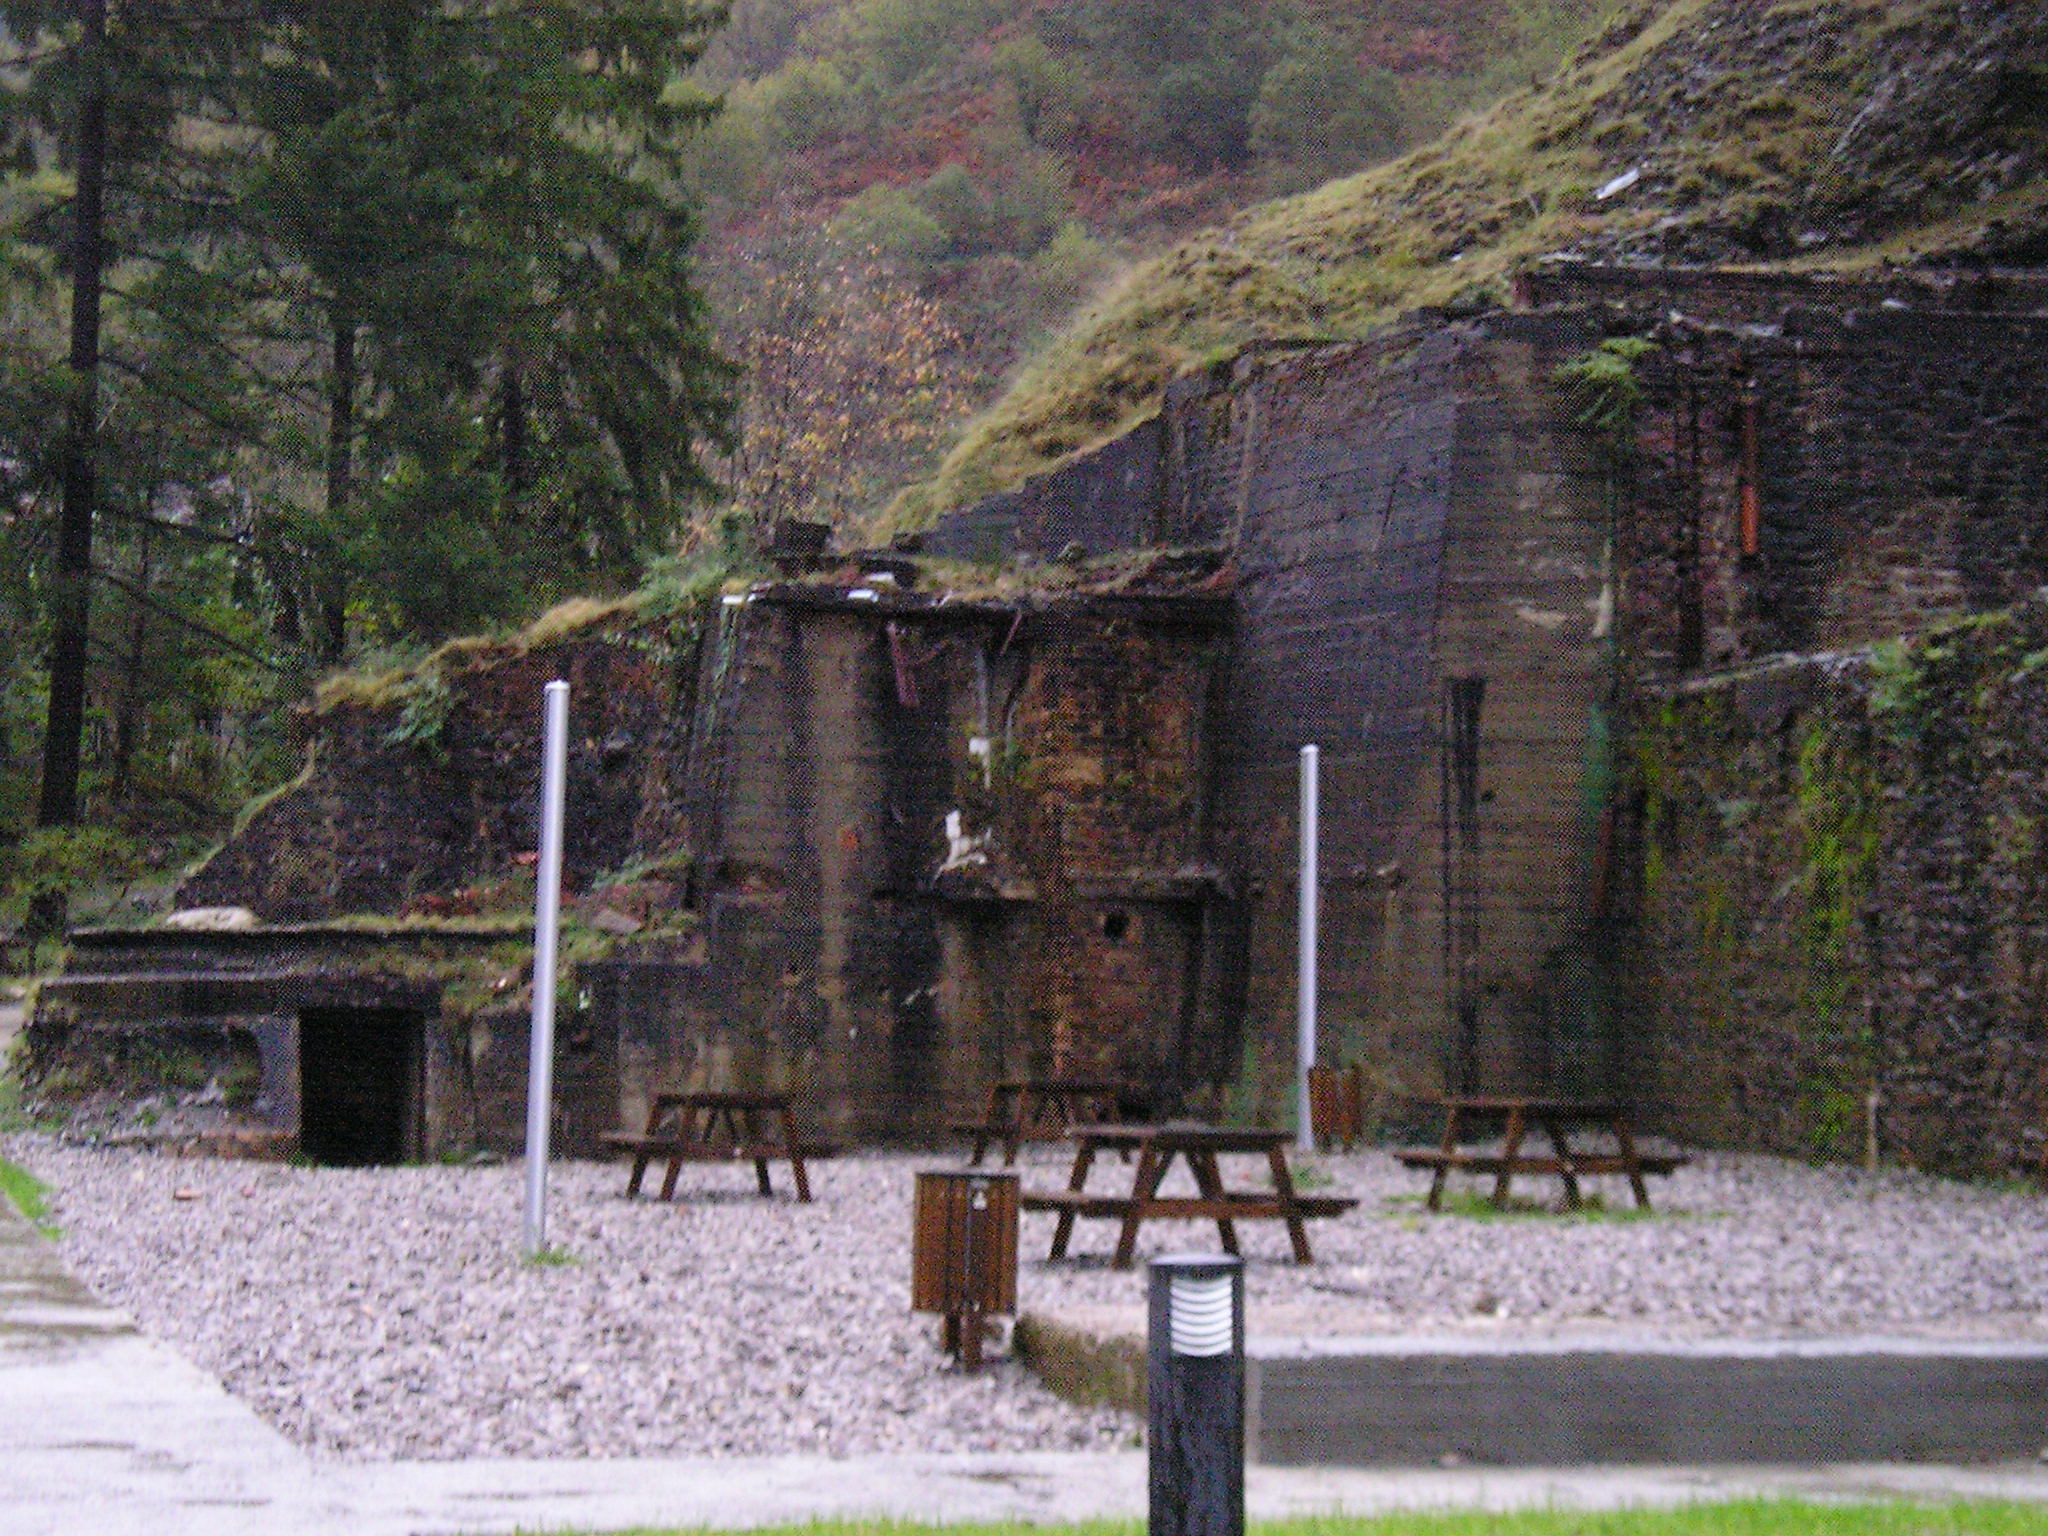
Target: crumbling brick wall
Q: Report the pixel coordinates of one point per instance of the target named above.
(1402, 514)
(1807, 464)
(937, 844)
(1641, 296)
(1421, 521)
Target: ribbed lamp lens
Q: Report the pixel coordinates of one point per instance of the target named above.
(1198, 1315)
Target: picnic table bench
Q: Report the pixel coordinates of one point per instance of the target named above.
(1556, 1118)
(1022, 1109)
(1199, 1146)
(718, 1127)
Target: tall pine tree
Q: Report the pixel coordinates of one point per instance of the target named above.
(374, 321)
(477, 203)
(95, 93)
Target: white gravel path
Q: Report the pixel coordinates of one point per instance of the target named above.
(1738, 1246)
(383, 1313)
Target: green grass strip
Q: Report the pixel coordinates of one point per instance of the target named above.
(1477, 1207)
(1747, 1517)
(29, 1194)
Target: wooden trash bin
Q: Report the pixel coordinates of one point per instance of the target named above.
(963, 1256)
(1336, 1105)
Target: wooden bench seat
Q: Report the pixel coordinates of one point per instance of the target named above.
(1231, 1206)
(1463, 1151)
(1025, 1109)
(1201, 1148)
(714, 1152)
(980, 1132)
(983, 1134)
(1579, 1162)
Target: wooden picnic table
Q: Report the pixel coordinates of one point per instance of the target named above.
(1022, 1109)
(1467, 1115)
(1198, 1146)
(718, 1127)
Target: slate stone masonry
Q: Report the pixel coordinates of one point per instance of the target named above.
(1843, 941)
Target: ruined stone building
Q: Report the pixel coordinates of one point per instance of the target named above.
(882, 828)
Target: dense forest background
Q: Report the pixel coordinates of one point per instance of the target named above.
(334, 331)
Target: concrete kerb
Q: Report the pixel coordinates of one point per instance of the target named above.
(103, 1429)
(1610, 1397)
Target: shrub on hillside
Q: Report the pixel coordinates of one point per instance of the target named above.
(1050, 94)
(901, 39)
(1072, 265)
(1200, 113)
(955, 201)
(888, 220)
(1319, 116)
(810, 101)
(1031, 203)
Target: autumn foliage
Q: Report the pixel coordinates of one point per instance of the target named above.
(850, 378)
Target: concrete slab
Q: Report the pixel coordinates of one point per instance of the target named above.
(1600, 1398)
(1553, 1403)
(102, 1429)
(106, 1431)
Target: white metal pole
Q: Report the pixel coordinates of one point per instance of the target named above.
(1306, 965)
(547, 914)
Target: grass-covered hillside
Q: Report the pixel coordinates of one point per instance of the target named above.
(1797, 133)
(902, 198)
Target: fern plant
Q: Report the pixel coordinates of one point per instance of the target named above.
(1603, 387)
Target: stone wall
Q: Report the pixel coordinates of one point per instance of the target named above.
(950, 843)
(162, 1014)
(1843, 885)
(1456, 589)
(1646, 296)
(1417, 523)
(1896, 460)
(1175, 480)
(1406, 518)
(876, 849)
(434, 788)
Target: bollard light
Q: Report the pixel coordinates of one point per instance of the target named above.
(1200, 1313)
(1194, 1383)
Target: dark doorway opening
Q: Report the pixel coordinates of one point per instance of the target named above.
(359, 1085)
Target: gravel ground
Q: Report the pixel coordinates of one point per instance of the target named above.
(382, 1313)
(1738, 1246)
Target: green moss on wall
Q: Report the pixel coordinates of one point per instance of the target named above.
(1836, 796)
(1844, 867)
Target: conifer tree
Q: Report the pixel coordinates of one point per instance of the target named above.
(390, 303)
(475, 206)
(94, 92)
